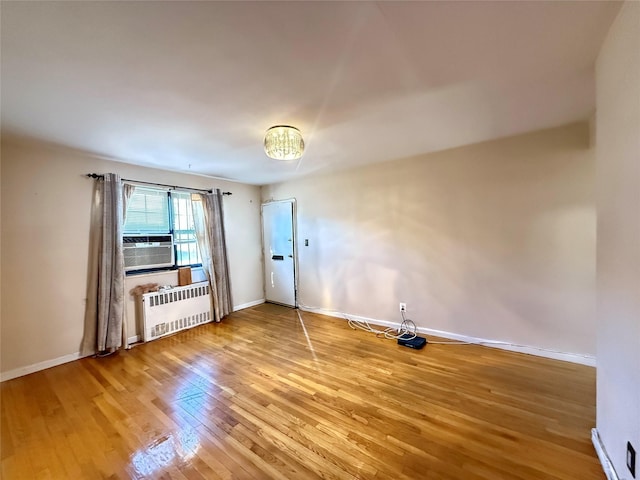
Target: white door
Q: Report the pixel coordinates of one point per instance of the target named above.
(279, 252)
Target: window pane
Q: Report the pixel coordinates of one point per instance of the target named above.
(184, 235)
(147, 212)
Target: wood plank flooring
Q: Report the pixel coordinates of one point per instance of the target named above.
(264, 395)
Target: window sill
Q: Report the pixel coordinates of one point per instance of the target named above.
(150, 274)
(197, 273)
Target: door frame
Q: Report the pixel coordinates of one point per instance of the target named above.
(294, 228)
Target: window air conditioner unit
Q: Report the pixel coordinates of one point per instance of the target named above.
(147, 251)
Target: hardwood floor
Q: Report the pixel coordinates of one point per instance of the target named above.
(263, 395)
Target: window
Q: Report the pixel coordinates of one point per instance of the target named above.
(154, 212)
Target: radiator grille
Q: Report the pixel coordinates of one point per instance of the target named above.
(176, 309)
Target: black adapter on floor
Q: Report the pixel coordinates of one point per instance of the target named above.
(408, 340)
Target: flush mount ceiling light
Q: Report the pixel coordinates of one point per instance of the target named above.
(283, 142)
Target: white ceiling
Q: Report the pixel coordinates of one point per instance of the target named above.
(193, 86)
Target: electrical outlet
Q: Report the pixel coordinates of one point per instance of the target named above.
(631, 459)
(403, 307)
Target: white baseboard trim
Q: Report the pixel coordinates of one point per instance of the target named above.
(588, 360)
(541, 352)
(134, 339)
(36, 367)
(607, 466)
(248, 304)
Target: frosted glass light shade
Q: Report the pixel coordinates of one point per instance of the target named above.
(283, 143)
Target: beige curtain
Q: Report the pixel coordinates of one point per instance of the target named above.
(127, 191)
(209, 224)
(104, 312)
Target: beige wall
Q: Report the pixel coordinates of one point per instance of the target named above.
(495, 240)
(618, 284)
(45, 230)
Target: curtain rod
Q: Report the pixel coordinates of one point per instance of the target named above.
(97, 175)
